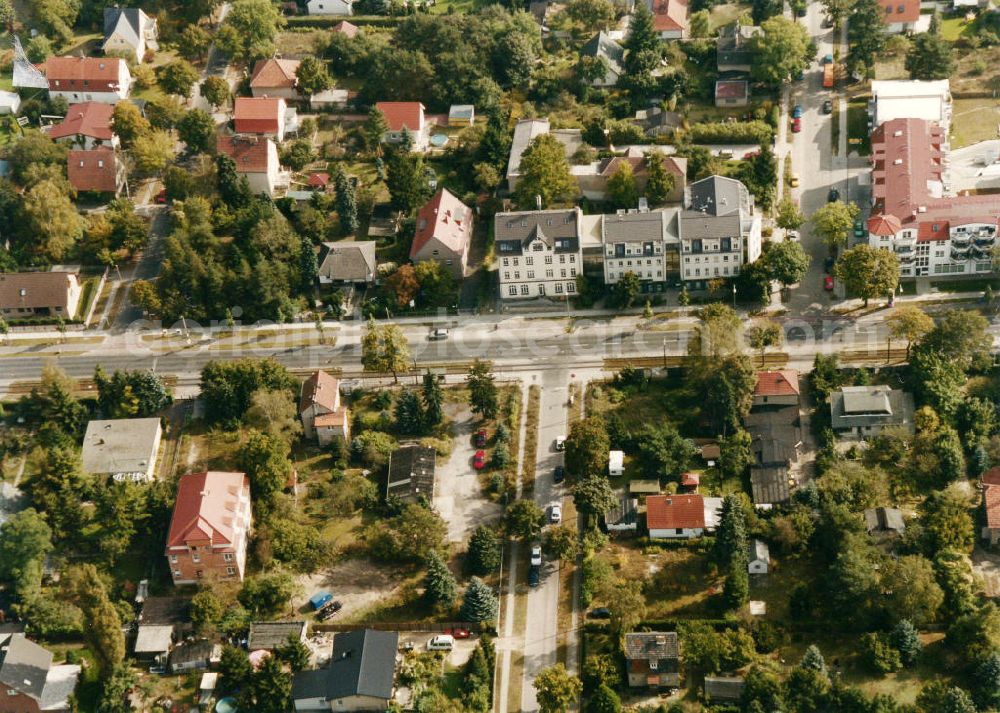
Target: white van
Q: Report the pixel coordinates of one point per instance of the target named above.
(441, 642)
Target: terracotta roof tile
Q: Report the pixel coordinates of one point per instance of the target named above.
(991, 501)
(897, 11)
(71, 73)
(94, 170)
(206, 508)
(320, 389)
(670, 15)
(257, 115)
(400, 114)
(251, 155)
(87, 119)
(274, 74)
(446, 218)
(41, 289)
(777, 383)
(346, 28)
(669, 512)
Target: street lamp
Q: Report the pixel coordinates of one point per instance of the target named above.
(734, 295)
(664, 352)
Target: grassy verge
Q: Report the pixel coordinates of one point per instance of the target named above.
(565, 607)
(531, 441)
(576, 403)
(858, 138)
(87, 294)
(974, 120)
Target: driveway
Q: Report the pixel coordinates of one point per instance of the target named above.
(458, 497)
(358, 583)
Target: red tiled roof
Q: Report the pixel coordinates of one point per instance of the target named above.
(777, 383)
(896, 11)
(274, 74)
(87, 119)
(906, 156)
(992, 476)
(205, 508)
(730, 89)
(346, 28)
(257, 115)
(320, 179)
(884, 225)
(335, 418)
(320, 389)
(690, 480)
(400, 114)
(94, 170)
(669, 512)
(100, 73)
(251, 155)
(670, 15)
(446, 218)
(991, 501)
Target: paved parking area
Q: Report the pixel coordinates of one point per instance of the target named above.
(461, 652)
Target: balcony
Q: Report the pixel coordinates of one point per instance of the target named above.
(907, 257)
(984, 241)
(960, 240)
(959, 254)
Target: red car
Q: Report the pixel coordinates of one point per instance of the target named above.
(828, 283)
(480, 460)
(458, 633)
(481, 438)
(796, 125)
(161, 197)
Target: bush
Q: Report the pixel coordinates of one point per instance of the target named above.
(737, 132)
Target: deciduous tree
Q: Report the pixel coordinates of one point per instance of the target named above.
(556, 688)
(384, 349)
(781, 51)
(216, 91)
(834, 221)
(523, 520)
(196, 129)
(622, 190)
(587, 448)
(787, 262)
(483, 395)
(908, 322)
(313, 75)
(178, 77)
(545, 174)
(659, 182)
(868, 272)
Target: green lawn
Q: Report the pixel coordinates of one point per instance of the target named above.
(87, 295)
(857, 126)
(722, 15)
(974, 120)
(954, 27)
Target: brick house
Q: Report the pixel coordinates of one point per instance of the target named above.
(323, 416)
(443, 233)
(84, 79)
(652, 659)
(209, 527)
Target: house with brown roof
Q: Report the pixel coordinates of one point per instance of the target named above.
(85, 126)
(670, 18)
(776, 388)
(209, 528)
(931, 232)
(652, 659)
(443, 233)
(24, 295)
(681, 516)
(30, 682)
(275, 78)
(256, 158)
(405, 117)
(98, 170)
(84, 79)
(346, 28)
(732, 92)
(264, 116)
(900, 15)
(323, 416)
(593, 177)
(991, 505)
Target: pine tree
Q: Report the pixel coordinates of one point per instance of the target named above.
(813, 659)
(480, 603)
(440, 588)
(484, 551)
(233, 188)
(659, 183)
(736, 590)
(409, 412)
(308, 268)
(987, 679)
(294, 653)
(641, 38)
(433, 400)
(347, 204)
(405, 176)
(731, 537)
(483, 389)
(904, 638)
(374, 128)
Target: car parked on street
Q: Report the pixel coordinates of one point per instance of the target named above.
(828, 264)
(833, 196)
(796, 125)
(555, 513)
(536, 555)
(558, 474)
(599, 613)
(437, 335)
(479, 461)
(533, 576)
(828, 107)
(828, 283)
(458, 632)
(797, 111)
(560, 443)
(481, 438)
(793, 181)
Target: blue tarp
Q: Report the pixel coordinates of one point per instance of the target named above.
(319, 599)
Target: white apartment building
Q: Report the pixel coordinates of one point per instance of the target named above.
(644, 243)
(538, 253)
(910, 99)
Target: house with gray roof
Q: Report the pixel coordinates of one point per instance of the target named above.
(360, 676)
(645, 243)
(411, 473)
(29, 681)
(539, 253)
(130, 32)
(652, 659)
(884, 520)
(270, 635)
(124, 448)
(760, 557)
(347, 263)
(863, 411)
(734, 49)
(611, 54)
(723, 689)
(720, 231)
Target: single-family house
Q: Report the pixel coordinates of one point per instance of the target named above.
(193, 656)
(330, 7)
(884, 519)
(10, 102)
(270, 635)
(161, 621)
(623, 517)
(405, 118)
(130, 32)
(98, 170)
(652, 659)
(323, 416)
(84, 79)
(593, 178)
(85, 127)
(760, 557)
(900, 15)
(657, 121)
(681, 516)
(616, 463)
(443, 233)
(732, 92)
(347, 263)
(30, 682)
(24, 295)
(690, 482)
(605, 50)
(256, 158)
(411, 473)
(460, 115)
(734, 47)
(776, 388)
(670, 18)
(123, 448)
(319, 181)
(275, 78)
(723, 689)
(539, 9)
(348, 29)
(361, 675)
(264, 116)
(863, 411)
(210, 527)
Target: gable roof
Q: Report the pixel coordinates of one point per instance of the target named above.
(206, 507)
(718, 196)
(320, 389)
(346, 28)
(24, 666)
(41, 289)
(558, 229)
(669, 512)
(445, 218)
(402, 114)
(759, 551)
(272, 634)
(258, 115)
(991, 502)
(411, 472)
(94, 170)
(348, 261)
(251, 154)
(601, 45)
(652, 645)
(777, 383)
(769, 485)
(900, 11)
(91, 119)
(274, 74)
(669, 15)
(363, 664)
(101, 70)
(127, 21)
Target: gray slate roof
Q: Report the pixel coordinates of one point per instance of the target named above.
(759, 551)
(125, 18)
(657, 225)
(272, 634)
(769, 485)
(558, 229)
(363, 664)
(723, 688)
(24, 666)
(733, 44)
(718, 195)
(880, 519)
(601, 45)
(651, 645)
(348, 261)
(701, 225)
(625, 513)
(861, 406)
(411, 473)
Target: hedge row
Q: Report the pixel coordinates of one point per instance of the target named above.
(734, 132)
(331, 21)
